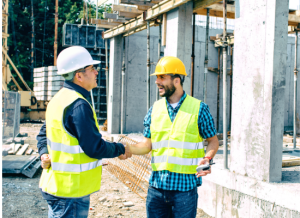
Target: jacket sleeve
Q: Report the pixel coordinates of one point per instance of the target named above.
(80, 122)
(42, 141)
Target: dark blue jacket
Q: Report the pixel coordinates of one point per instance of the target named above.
(79, 121)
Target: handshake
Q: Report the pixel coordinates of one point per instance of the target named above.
(127, 153)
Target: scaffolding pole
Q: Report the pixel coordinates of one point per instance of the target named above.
(193, 55)
(122, 88)
(55, 34)
(159, 48)
(106, 74)
(148, 65)
(295, 93)
(225, 85)
(206, 57)
(32, 41)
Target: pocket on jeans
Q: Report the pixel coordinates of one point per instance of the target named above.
(57, 207)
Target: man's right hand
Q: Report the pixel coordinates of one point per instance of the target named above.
(46, 161)
(127, 153)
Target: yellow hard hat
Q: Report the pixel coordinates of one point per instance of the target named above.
(169, 65)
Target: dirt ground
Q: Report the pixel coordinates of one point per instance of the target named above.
(21, 196)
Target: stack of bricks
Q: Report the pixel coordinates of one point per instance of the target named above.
(46, 82)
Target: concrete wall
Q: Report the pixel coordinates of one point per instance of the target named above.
(228, 194)
(135, 88)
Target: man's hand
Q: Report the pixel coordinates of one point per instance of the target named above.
(203, 172)
(127, 154)
(46, 161)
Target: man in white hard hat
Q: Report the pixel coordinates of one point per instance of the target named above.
(70, 144)
(175, 127)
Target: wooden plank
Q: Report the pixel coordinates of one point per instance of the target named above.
(143, 7)
(164, 30)
(105, 26)
(128, 14)
(126, 9)
(117, 21)
(103, 22)
(122, 28)
(198, 4)
(294, 20)
(23, 149)
(137, 2)
(29, 151)
(15, 148)
(152, 23)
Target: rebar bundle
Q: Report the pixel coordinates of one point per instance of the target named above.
(133, 172)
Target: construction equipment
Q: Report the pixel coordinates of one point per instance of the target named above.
(31, 108)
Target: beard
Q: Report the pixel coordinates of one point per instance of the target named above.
(169, 90)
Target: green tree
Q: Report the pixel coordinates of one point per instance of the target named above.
(19, 42)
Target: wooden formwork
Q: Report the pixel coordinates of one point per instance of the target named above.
(133, 172)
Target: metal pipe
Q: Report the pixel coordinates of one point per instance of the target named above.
(159, 48)
(193, 55)
(206, 57)
(122, 88)
(97, 10)
(230, 103)
(295, 93)
(106, 74)
(4, 114)
(218, 92)
(148, 65)
(225, 85)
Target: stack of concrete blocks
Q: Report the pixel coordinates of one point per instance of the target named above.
(46, 82)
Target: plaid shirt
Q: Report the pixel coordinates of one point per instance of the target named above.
(165, 179)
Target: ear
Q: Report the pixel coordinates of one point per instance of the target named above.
(79, 76)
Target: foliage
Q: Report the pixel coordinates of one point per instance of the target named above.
(20, 29)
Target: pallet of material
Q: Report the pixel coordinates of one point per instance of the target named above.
(14, 148)
(290, 161)
(23, 149)
(56, 78)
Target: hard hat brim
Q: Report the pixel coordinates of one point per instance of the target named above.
(164, 73)
(77, 68)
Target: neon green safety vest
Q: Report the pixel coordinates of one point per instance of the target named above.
(72, 174)
(178, 146)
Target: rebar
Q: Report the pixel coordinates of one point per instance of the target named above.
(206, 58)
(295, 93)
(122, 88)
(225, 85)
(148, 65)
(133, 172)
(193, 55)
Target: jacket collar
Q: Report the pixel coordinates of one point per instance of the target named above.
(85, 93)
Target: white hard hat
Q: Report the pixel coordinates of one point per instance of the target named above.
(74, 58)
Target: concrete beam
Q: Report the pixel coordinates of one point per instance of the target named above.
(259, 89)
(114, 106)
(179, 37)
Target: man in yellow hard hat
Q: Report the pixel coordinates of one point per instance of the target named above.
(175, 127)
(70, 144)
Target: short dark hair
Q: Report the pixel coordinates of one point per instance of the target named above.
(181, 77)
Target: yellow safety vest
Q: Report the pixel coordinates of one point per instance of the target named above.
(72, 174)
(178, 146)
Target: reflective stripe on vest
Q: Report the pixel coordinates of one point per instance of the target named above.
(176, 160)
(74, 149)
(177, 144)
(75, 167)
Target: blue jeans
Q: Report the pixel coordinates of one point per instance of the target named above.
(176, 204)
(69, 207)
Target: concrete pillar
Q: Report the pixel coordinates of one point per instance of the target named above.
(259, 88)
(179, 38)
(114, 101)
